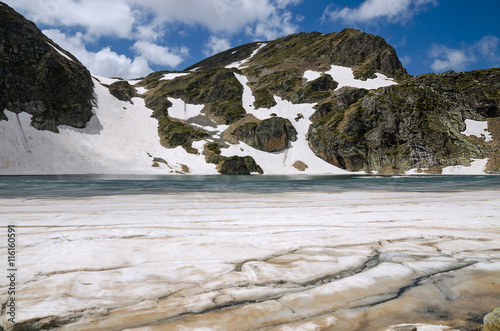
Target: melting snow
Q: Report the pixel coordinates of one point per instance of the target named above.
(141, 90)
(182, 110)
(477, 167)
(238, 64)
(282, 162)
(345, 77)
(173, 75)
(311, 75)
(120, 138)
(58, 51)
(478, 129)
(105, 80)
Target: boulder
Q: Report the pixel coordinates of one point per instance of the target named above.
(492, 321)
(270, 135)
(237, 165)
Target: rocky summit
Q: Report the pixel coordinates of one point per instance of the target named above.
(305, 103)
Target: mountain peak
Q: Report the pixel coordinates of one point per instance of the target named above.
(367, 54)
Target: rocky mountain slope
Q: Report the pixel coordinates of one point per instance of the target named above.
(306, 103)
(39, 77)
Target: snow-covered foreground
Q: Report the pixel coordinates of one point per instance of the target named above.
(239, 261)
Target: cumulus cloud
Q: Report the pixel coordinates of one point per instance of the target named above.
(216, 45)
(161, 55)
(124, 18)
(104, 62)
(446, 58)
(98, 18)
(458, 59)
(275, 26)
(397, 11)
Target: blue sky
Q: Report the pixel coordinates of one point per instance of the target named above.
(131, 38)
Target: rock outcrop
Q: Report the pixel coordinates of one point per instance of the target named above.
(270, 135)
(492, 321)
(237, 165)
(39, 77)
(416, 124)
(122, 90)
(217, 89)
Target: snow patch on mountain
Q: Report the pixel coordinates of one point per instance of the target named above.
(182, 110)
(58, 51)
(282, 162)
(345, 77)
(478, 129)
(239, 64)
(173, 75)
(477, 167)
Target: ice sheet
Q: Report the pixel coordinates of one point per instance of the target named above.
(198, 260)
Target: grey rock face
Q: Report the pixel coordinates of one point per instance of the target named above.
(416, 124)
(270, 135)
(40, 78)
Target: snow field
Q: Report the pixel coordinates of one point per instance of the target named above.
(120, 138)
(345, 77)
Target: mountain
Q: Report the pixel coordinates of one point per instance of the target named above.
(307, 103)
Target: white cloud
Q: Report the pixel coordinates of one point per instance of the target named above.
(110, 64)
(488, 47)
(124, 18)
(216, 15)
(446, 58)
(405, 60)
(216, 45)
(105, 62)
(99, 18)
(286, 3)
(449, 59)
(274, 27)
(149, 32)
(156, 54)
(397, 11)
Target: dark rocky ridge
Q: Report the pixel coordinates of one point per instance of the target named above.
(35, 76)
(237, 165)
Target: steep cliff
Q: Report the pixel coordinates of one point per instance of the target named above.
(416, 124)
(39, 77)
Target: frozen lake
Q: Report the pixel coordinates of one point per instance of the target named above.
(252, 253)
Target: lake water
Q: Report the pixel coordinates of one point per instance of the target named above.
(97, 185)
